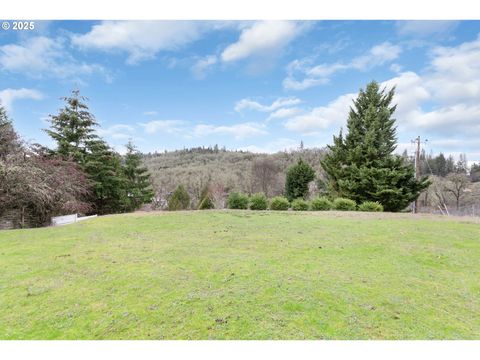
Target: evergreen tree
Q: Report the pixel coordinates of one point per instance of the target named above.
(73, 127)
(138, 182)
(106, 175)
(9, 140)
(180, 199)
(205, 200)
(297, 180)
(361, 166)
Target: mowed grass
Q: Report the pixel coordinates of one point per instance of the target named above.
(243, 275)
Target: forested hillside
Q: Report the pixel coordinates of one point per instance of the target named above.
(226, 171)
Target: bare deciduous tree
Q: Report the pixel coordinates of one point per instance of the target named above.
(264, 176)
(456, 185)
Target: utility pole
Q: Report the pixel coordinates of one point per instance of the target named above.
(417, 169)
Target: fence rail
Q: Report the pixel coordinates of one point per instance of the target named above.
(69, 219)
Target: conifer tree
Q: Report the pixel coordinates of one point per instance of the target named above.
(105, 173)
(361, 165)
(297, 180)
(73, 127)
(138, 182)
(9, 140)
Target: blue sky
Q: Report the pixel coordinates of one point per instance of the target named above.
(254, 85)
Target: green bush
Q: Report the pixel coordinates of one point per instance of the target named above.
(344, 204)
(279, 203)
(180, 200)
(299, 205)
(372, 206)
(258, 202)
(237, 201)
(206, 204)
(205, 200)
(321, 204)
(297, 179)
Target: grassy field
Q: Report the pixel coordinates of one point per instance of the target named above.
(243, 275)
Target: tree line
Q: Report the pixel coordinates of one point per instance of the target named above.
(82, 174)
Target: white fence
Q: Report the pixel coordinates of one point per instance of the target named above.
(69, 219)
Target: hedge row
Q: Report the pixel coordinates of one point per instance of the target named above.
(260, 202)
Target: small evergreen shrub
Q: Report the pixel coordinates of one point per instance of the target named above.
(180, 200)
(258, 202)
(279, 203)
(321, 204)
(299, 205)
(372, 206)
(237, 201)
(205, 201)
(206, 204)
(343, 204)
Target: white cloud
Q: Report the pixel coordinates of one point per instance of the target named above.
(142, 40)
(456, 71)
(248, 104)
(200, 68)
(320, 74)
(285, 113)
(460, 119)
(322, 117)
(262, 38)
(239, 131)
(425, 28)
(117, 132)
(39, 56)
(410, 92)
(8, 96)
(165, 126)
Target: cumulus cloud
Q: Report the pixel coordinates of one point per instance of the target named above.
(200, 68)
(425, 28)
(8, 96)
(239, 131)
(314, 75)
(141, 40)
(118, 131)
(322, 117)
(39, 56)
(262, 38)
(284, 113)
(164, 126)
(249, 104)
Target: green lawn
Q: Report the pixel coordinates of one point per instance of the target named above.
(243, 275)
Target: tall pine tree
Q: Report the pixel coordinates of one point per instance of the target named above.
(105, 172)
(138, 182)
(361, 165)
(73, 127)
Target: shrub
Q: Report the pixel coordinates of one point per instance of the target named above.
(344, 204)
(279, 203)
(206, 204)
(205, 201)
(299, 205)
(372, 206)
(297, 179)
(258, 202)
(321, 204)
(180, 200)
(237, 201)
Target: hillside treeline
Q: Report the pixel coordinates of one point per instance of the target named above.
(227, 171)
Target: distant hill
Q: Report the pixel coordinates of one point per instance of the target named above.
(225, 170)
